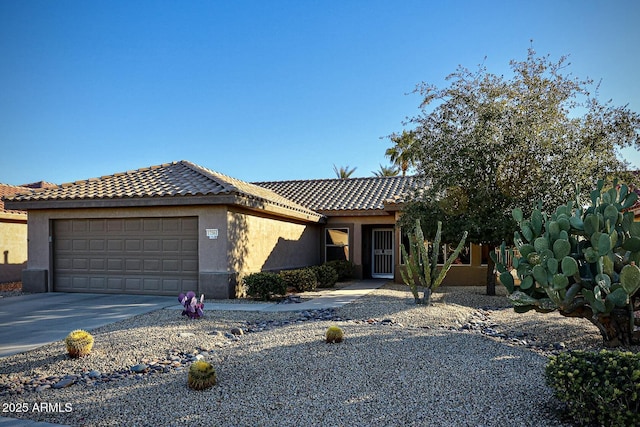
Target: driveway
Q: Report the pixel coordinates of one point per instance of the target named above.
(31, 321)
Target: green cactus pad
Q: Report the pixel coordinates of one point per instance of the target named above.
(507, 280)
(541, 244)
(604, 244)
(618, 297)
(632, 244)
(552, 265)
(560, 281)
(569, 266)
(591, 224)
(540, 274)
(536, 222)
(527, 232)
(590, 255)
(611, 215)
(526, 283)
(630, 278)
(564, 224)
(629, 200)
(526, 249)
(517, 214)
(576, 222)
(561, 248)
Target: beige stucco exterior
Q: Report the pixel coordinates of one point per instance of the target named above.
(247, 241)
(13, 246)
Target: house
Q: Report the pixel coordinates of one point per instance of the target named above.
(13, 238)
(179, 226)
(13, 234)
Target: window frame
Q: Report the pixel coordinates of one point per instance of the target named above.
(331, 245)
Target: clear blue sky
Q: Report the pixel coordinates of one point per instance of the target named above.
(268, 89)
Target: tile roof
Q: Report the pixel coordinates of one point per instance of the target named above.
(181, 178)
(325, 195)
(10, 190)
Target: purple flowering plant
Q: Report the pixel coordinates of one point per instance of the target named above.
(192, 306)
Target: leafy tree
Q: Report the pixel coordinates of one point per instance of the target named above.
(403, 152)
(386, 171)
(343, 172)
(486, 144)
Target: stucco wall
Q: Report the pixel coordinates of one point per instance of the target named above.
(13, 248)
(263, 243)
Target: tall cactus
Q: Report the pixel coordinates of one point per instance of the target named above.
(422, 271)
(581, 261)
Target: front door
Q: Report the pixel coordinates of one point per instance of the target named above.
(382, 256)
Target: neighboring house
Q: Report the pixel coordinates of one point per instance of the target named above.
(13, 238)
(13, 234)
(179, 226)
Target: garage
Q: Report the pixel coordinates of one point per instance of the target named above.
(157, 256)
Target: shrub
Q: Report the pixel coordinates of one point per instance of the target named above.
(344, 269)
(602, 388)
(334, 334)
(302, 279)
(79, 343)
(202, 375)
(326, 275)
(263, 285)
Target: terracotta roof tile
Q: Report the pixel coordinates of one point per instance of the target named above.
(324, 195)
(10, 190)
(170, 179)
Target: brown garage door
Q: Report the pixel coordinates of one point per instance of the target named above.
(157, 256)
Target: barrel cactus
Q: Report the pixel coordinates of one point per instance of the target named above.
(202, 375)
(79, 343)
(334, 334)
(581, 261)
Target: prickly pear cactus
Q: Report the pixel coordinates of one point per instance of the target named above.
(581, 261)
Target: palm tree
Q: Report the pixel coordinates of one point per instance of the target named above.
(403, 153)
(343, 172)
(387, 171)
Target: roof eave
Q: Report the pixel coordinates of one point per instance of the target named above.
(187, 200)
(278, 210)
(355, 212)
(13, 217)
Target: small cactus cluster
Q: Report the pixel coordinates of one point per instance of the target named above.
(334, 334)
(202, 375)
(79, 343)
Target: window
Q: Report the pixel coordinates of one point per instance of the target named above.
(464, 257)
(337, 244)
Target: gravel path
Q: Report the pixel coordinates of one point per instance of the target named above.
(467, 360)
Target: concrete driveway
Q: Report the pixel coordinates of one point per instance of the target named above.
(31, 321)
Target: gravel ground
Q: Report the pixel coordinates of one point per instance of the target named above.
(467, 360)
